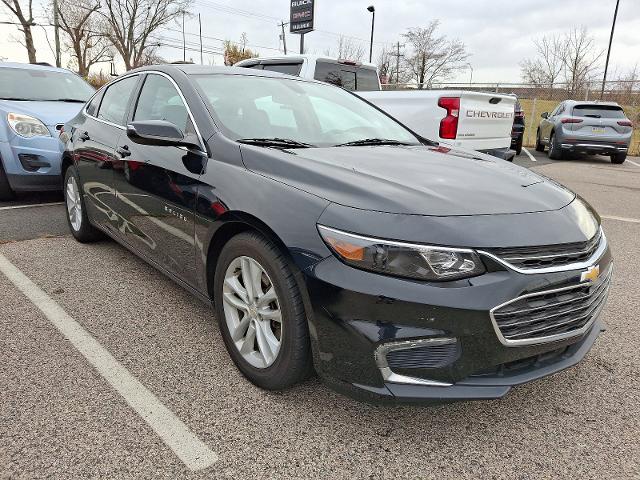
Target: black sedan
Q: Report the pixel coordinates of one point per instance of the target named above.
(330, 238)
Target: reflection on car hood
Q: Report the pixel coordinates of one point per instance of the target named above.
(49, 113)
(411, 180)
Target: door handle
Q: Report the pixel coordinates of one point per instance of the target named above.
(84, 136)
(123, 151)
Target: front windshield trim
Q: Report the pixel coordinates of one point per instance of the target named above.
(404, 134)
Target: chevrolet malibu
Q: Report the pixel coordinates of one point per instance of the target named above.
(330, 238)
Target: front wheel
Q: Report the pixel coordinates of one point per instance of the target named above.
(6, 193)
(618, 158)
(77, 217)
(260, 311)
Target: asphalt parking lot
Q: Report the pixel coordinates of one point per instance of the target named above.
(109, 370)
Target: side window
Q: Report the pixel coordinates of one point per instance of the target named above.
(335, 74)
(115, 100)
(556, 111)
(159, 100)
(92, 106)
(288, 68)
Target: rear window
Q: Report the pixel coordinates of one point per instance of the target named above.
(598, 111)
(288, 68)
(347, 76)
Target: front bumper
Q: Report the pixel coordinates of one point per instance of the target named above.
(356, 313)
(32, 164)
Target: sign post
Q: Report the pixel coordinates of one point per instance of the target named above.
(301, 19)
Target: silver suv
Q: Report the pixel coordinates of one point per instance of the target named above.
(585, 127)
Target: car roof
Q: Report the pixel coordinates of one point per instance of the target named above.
(30, 66)
(591, 102)
(305, 56)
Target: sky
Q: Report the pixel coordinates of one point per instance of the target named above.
(498, 34)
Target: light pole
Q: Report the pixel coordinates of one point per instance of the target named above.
(372, 9)
(470, 76)
(606, 65)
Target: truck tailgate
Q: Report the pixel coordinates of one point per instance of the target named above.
(486, 118)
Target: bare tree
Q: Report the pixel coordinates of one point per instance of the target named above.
(433, 58)
(25, 18)
(547, 66)
(580, 59)
(384, 63)
(83, 27)
(130, 23)
(347, 48)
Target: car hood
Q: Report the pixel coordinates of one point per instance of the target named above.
(49, 113)
(411, 180)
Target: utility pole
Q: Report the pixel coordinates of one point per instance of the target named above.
(284, 38)
(56, 31)
(200, 25)
(397, 55)
(184, 41)
(606, 65)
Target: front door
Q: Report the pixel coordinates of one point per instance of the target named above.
(156, 187)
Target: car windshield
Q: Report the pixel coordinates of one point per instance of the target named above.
(598, 111)
(42, 85)
(253, 107)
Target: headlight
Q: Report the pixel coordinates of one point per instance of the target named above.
(421, 262)
(27, 126)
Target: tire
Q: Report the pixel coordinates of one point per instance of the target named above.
(79, 224)
(618, 158)
(291, 362)
(6, 193)
(539, 144)
(555, 152)
(518, 148)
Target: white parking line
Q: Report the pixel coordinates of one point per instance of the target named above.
(621, 219)
(14, 207)
(529, 154)
(194, 453)
(633, 163)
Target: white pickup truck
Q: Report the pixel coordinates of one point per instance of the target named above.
(461, 118)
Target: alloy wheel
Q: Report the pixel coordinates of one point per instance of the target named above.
(252, 312)
(74, 207)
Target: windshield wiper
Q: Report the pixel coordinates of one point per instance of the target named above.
(70, 100)
(275, 142)
(372, 141)
(16, 99)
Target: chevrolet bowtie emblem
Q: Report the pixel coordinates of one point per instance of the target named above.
(591, 274)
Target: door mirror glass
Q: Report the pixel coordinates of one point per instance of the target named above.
(159, 133)
(545, 115)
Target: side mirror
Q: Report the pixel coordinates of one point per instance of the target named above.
(160, 133)
(545, 115)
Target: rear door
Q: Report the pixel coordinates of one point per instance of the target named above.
(94, 140)
(485, 119)
(157, 186)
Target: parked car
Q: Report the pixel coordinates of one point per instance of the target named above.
(517, 131)
(348, 74)
(35, 101)
(465, 119)
(585, 127)
(329, 236)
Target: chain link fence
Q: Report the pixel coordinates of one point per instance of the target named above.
(536, 99)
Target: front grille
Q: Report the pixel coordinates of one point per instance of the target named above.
(430, 356)
(549, 255)
(551, 315)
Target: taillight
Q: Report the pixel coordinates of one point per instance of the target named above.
(571, 120)
(449, 124)
(625, 123)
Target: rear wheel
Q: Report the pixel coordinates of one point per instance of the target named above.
(77, 217)
(618, 158)
(539, 144)
(555, 152)
(6, 193)
(260, 312)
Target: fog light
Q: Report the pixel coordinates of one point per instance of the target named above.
(31, 162)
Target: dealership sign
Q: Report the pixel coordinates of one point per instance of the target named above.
(301, 20)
